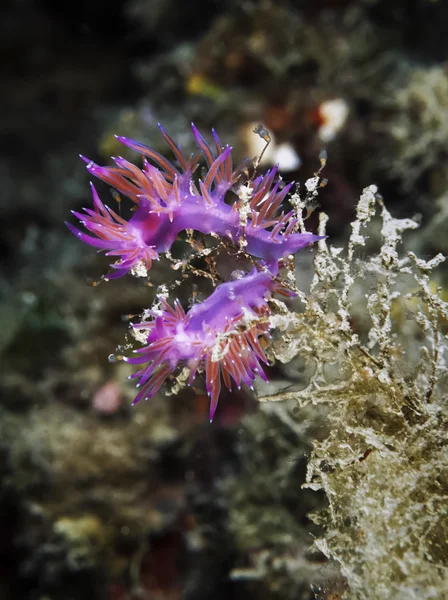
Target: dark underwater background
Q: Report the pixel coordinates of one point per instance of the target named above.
(99, 500)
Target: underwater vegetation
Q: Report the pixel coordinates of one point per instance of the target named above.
(374, 332)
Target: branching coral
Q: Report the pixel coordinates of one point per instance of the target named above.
(383, 465)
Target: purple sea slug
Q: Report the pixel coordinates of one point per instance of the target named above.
(169, 201)
(122, 238)
(222, 336)
(219, 336)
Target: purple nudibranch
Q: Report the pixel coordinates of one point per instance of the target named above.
(220, 336)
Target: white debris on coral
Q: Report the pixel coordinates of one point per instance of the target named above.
(312, 184)
(141, 335)
(139, 269)
(179, 383)
(365, 210)
(244, 209)
(220, 347)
